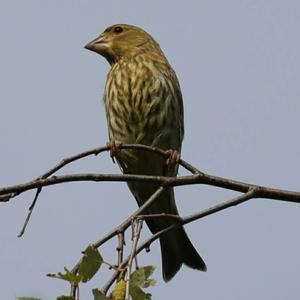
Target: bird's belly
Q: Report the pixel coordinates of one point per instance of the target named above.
(134, 127)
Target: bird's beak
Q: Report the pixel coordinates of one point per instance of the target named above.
(98, 45)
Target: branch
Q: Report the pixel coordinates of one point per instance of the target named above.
(95, 151)
(204, 213)
(120, 229)
(68, 160)
(163, 183)
(30, 210)
(120, 248)
(202, 178)
(145, 245)
(137, 227)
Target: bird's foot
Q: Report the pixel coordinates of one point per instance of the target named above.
(173, 159)
(114, 148)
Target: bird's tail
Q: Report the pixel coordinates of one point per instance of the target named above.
(177, 249)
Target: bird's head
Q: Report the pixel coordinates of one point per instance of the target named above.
(122, 40)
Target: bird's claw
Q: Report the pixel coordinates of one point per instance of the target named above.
(114, 148)
(173, 159)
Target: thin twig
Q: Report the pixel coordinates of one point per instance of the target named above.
(128, 221)
(57, 167)
(162, 215)
(136, 227)
(111, 266)
(136, 263)
(73, 158)
(204, 213)
(120, 248)
(30, 210)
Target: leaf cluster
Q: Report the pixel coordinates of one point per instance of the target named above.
(90, 265)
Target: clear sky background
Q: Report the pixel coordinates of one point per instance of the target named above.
(238, 64)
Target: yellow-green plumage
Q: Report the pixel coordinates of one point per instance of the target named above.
(144, 105)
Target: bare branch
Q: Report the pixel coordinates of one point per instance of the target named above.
(71, 159)
(264, 192)
(95, 151)
(121, 228)
(162, 215)
(204, 213)
(137, 227)
(20, 188)
(120, 248)
(197, 177)
(128, 221)
(30, 210)
(145, 245)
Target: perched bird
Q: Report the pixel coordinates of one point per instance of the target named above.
(143, 105)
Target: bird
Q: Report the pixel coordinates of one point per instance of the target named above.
(144, 105)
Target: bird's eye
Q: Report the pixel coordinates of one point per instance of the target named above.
(118, 29)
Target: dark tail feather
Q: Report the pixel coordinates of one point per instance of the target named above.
(177, 249)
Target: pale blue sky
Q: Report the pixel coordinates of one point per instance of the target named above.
(238, 63)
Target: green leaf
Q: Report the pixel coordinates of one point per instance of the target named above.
(91, 262)
(140, 277)
(68, 276)
(27, 298)
(98, 295)
(65, 298)
(138, 294)
(149, 282)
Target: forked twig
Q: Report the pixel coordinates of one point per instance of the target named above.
(121, 228)
(252, 193)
